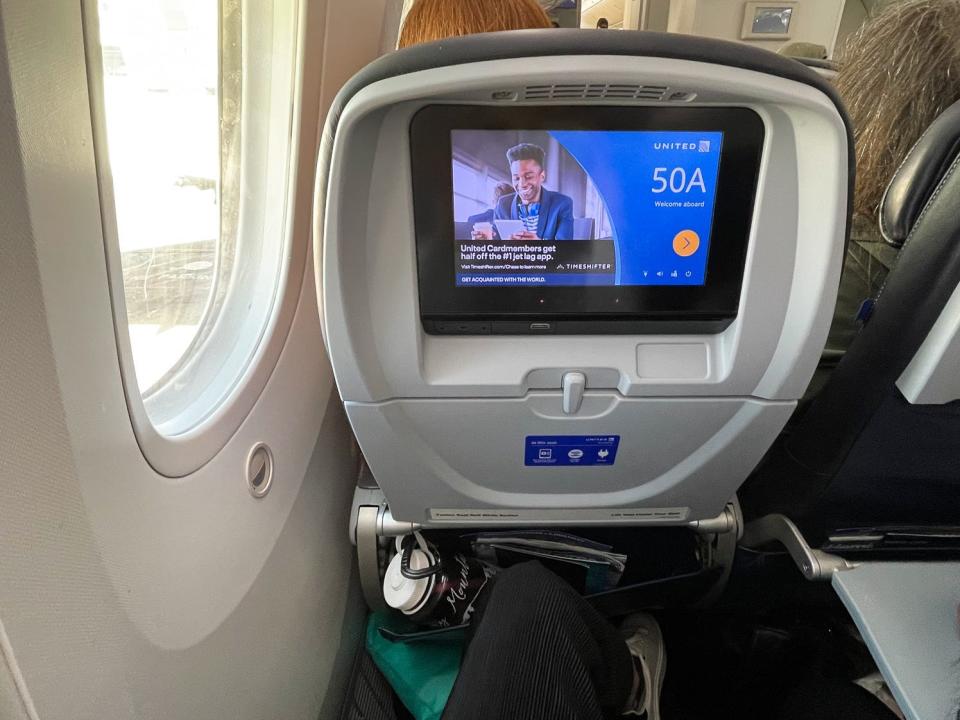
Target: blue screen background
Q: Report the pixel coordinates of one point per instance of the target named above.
(622, 165)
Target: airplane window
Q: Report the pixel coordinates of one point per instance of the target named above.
(194, 152)
(162, 96)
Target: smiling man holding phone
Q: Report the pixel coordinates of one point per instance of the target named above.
(544, 214)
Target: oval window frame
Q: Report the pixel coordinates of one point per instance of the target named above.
(200, 427)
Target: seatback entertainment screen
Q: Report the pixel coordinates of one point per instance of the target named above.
(582, 219)
(583, 207)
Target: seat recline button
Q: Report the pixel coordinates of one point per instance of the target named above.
(573, 385)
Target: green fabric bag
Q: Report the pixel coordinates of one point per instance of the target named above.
(421, 671)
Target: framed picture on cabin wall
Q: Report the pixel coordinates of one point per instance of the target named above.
(768, 20)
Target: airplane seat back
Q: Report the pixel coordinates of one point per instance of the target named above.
(878, 446)
(525, 375)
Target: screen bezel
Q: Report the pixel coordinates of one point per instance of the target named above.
(432, 182)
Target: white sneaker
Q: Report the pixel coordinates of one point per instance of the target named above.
(645, 641)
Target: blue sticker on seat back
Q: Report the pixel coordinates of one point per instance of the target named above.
(554, 450)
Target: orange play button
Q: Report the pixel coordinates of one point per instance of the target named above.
(685, 243)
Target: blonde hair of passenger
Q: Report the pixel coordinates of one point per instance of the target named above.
(896, 74)
(438, 19)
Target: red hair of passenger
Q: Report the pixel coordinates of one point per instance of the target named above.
(430, 20)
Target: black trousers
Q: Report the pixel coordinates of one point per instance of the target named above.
(540, 650)
(537, 651)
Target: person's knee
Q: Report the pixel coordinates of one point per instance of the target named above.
(521, 591)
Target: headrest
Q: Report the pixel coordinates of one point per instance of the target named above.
(567, 41)
(918, 177)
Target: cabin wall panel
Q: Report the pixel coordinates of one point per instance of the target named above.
(124, 594)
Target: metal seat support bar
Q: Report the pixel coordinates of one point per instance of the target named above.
(814, 564)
